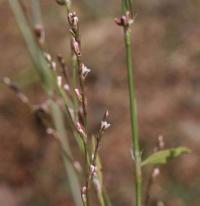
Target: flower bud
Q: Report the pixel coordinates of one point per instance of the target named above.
(78, 94)
(76, 47)
(73, 21)
(156, 172)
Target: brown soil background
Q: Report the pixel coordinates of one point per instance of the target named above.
(167, 58)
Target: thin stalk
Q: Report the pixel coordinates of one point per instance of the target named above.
(133, 114)
(48, 82)
(74, 83)
(99, 187)
(133, 106)
(36, 12)
(72, 176)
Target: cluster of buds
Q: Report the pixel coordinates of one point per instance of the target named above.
(104, 123)
(76, 46)
(73, 21)
(125, 20)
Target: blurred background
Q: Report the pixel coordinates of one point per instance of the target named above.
(166, 48)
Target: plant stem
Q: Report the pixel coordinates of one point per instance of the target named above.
(49, 83)
(133, 107)
(36, 12)
(72, 177)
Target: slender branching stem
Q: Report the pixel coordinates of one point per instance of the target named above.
(126, 21)
(133, 113)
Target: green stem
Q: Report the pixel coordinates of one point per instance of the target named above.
(72, 176)
(36, 12)
(74, 83)
(133, 108)
(49, 82)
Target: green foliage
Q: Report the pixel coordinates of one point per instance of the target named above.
(163, 156)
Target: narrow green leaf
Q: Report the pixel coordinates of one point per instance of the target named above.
(162, 157)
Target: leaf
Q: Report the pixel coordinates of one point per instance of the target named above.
(162, 157)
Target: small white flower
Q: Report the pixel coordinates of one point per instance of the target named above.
(105, 125)
(59, 81)
(84, 71)
(66, 87)
(156, 172)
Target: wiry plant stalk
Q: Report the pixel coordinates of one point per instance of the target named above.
(49, 83)
(133, 113)
(90, 161)
(126, 21)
